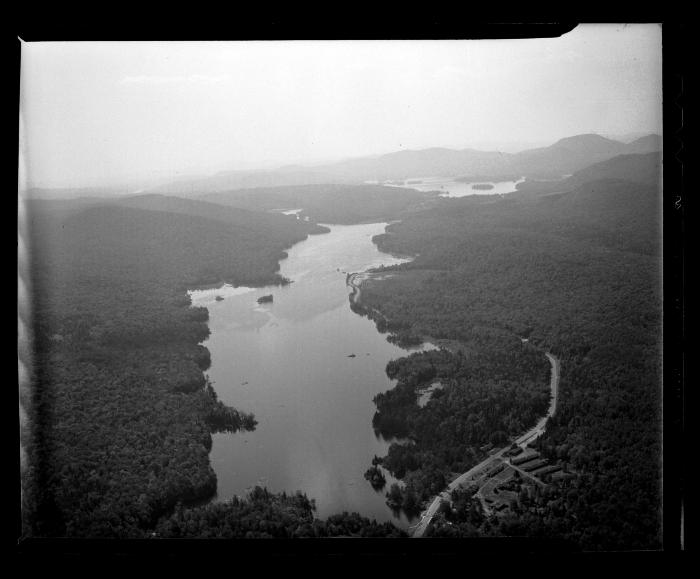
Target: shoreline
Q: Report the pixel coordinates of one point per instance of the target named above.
(215, 496)
(523, 440)
(354, 280)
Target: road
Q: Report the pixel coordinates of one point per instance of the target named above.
(534, 433)
(531, 435)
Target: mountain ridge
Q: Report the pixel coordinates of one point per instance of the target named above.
(639, 168)
(563, 157)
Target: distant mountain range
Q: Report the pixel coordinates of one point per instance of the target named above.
(626, 137)
(569, 155)
(564, 157)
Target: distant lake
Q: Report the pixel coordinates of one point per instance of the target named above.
(288, 363)
(450, 188)
(295, 212)
(292, 212)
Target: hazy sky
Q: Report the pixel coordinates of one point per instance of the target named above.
(99, 112)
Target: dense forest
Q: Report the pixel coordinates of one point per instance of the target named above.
(263, 515)
(491, 392)
(644, 169)
(121, 413)
(578, 273)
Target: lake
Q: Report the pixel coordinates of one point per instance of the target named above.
(450, 188)
(288, 363)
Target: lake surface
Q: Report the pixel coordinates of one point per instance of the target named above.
(451, 188)
(288, 363)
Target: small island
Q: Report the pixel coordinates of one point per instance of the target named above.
(265, 299)
(482, 186)
(375, 477)
(219, 299)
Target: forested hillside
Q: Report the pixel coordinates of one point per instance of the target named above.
(265, 515)
(637, 168)
(342, 204)
(121, 413)
(492, 389)
(578, 273)
(272, 227)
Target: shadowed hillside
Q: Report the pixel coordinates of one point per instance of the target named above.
(636, 168)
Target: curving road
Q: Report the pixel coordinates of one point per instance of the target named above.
(537, 431)
(531, 435)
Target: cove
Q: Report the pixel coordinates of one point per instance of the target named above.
(308, 367)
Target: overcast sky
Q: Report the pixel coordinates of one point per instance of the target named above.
(95, 113)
